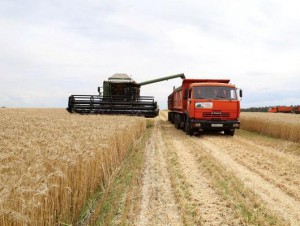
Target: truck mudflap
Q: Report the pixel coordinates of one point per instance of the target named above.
(217, 125)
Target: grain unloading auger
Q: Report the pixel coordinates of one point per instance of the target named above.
(121, 95)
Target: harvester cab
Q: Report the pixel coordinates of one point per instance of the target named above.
(121, 95)
(121, 85)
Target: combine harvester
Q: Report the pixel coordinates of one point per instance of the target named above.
(284, 109)
(205, 105)
(121, 95)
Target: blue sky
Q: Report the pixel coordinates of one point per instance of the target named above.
(52, 49)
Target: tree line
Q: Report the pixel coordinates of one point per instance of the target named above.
(263, 109)
(256, 109)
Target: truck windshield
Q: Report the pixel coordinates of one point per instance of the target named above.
(215, 92)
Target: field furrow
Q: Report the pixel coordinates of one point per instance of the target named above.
(280, 169)
(158, 205)
(277, 200)
(212, 208)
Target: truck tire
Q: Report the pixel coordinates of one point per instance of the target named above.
(187, 128)
(229, 132)
(177, 121)
(171, 117)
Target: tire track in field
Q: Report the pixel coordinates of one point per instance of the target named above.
(277, 200)
(280, 169)
(213, 210)
(158, 205)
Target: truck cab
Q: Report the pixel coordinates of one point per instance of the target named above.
(213, 106)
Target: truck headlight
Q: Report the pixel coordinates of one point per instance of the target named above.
(197, 124)
(236, 125)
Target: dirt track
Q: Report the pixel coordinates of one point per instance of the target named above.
(177, 191)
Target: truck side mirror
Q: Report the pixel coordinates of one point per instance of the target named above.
(99, 90)
(241, 93)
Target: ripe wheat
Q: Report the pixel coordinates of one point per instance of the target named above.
(280, 125)
(51, 161)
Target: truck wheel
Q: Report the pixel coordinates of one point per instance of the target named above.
(169, 116)
(229, 132)
(188, 129)
(177, 121)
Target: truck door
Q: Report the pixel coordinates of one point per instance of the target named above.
(190, 104)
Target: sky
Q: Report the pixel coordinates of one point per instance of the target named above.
(53, 49)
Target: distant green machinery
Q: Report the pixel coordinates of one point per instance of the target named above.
(121, 95)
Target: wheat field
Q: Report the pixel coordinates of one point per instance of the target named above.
(279, 125)
(51, 161)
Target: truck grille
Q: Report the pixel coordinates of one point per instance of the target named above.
(215, 114)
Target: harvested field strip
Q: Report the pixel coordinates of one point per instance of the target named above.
(280, 169)
(274, 198)
(247, 205)
(280, 145)
(158, 205)
(188, 208)
(52, 161)
(208, 207)
(226, 200)
(280, 125)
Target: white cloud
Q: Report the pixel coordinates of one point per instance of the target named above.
(56, 47)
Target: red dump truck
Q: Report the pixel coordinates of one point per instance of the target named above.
(285, 109)
(205, 105)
